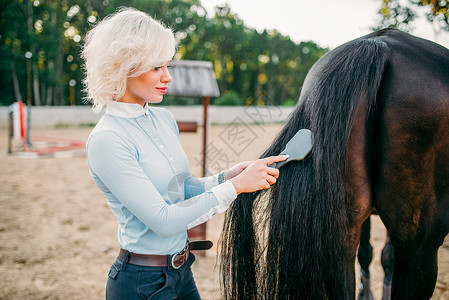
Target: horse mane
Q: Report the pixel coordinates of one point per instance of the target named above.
(290, 242)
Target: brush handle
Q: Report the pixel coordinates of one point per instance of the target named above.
(278, 164)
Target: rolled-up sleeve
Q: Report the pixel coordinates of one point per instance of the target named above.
(226, 194)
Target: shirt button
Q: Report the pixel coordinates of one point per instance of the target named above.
(171, 158)
(161, 146)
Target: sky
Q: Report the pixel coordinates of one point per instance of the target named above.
(328, 23)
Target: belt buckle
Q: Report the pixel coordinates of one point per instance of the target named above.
(174, 256)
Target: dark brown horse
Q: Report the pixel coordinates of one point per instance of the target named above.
(379, 110)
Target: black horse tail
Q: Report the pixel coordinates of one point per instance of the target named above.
(291, 241)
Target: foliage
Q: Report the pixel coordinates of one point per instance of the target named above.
(229, 98)
(289, 102)
(400, 14)
(260, 67)
(395, 16)
(178, 100)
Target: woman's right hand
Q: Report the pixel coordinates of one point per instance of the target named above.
(258, 175)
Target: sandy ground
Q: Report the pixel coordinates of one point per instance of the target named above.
(59, 237)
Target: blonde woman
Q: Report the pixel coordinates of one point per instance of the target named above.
(136, 160)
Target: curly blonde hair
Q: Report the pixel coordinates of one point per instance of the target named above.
(124, 44)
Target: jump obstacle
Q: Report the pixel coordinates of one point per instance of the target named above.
(36, 146)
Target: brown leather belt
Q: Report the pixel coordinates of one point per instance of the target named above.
(176, 260)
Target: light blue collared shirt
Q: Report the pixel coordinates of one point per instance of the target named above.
(136, 159)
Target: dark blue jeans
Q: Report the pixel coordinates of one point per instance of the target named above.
(129, 282)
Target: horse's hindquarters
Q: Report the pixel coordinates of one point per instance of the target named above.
(412, 178)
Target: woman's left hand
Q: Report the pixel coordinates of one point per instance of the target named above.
(236, 170)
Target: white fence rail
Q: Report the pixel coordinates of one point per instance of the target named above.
(51, 116)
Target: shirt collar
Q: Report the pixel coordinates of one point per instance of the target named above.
(126, 110)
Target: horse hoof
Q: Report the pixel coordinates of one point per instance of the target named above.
(365, 289)
(386, 292)
(365, 295)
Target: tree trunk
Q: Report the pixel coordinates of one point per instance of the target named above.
(58, 63)
(50, 84)
(271, 98)
(282, 93)
(15, 81)
(43, 89)
(37, 96)
(59, 88)
(30, 19)
(223, 75)
(49, 94)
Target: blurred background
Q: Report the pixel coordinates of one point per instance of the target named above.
(263, 60)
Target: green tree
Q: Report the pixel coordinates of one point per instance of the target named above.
(397, 14)
(261, 67)
(12, 65)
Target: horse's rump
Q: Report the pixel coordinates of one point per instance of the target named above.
(294, 241)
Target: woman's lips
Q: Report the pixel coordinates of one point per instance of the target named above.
(163, 90)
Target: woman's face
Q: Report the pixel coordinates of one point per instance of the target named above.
(147, 87)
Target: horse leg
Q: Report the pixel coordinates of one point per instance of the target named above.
(387, 265)
(412, 199)
(417, 224)
(362, 205)
(415, 271)
(365, 256)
